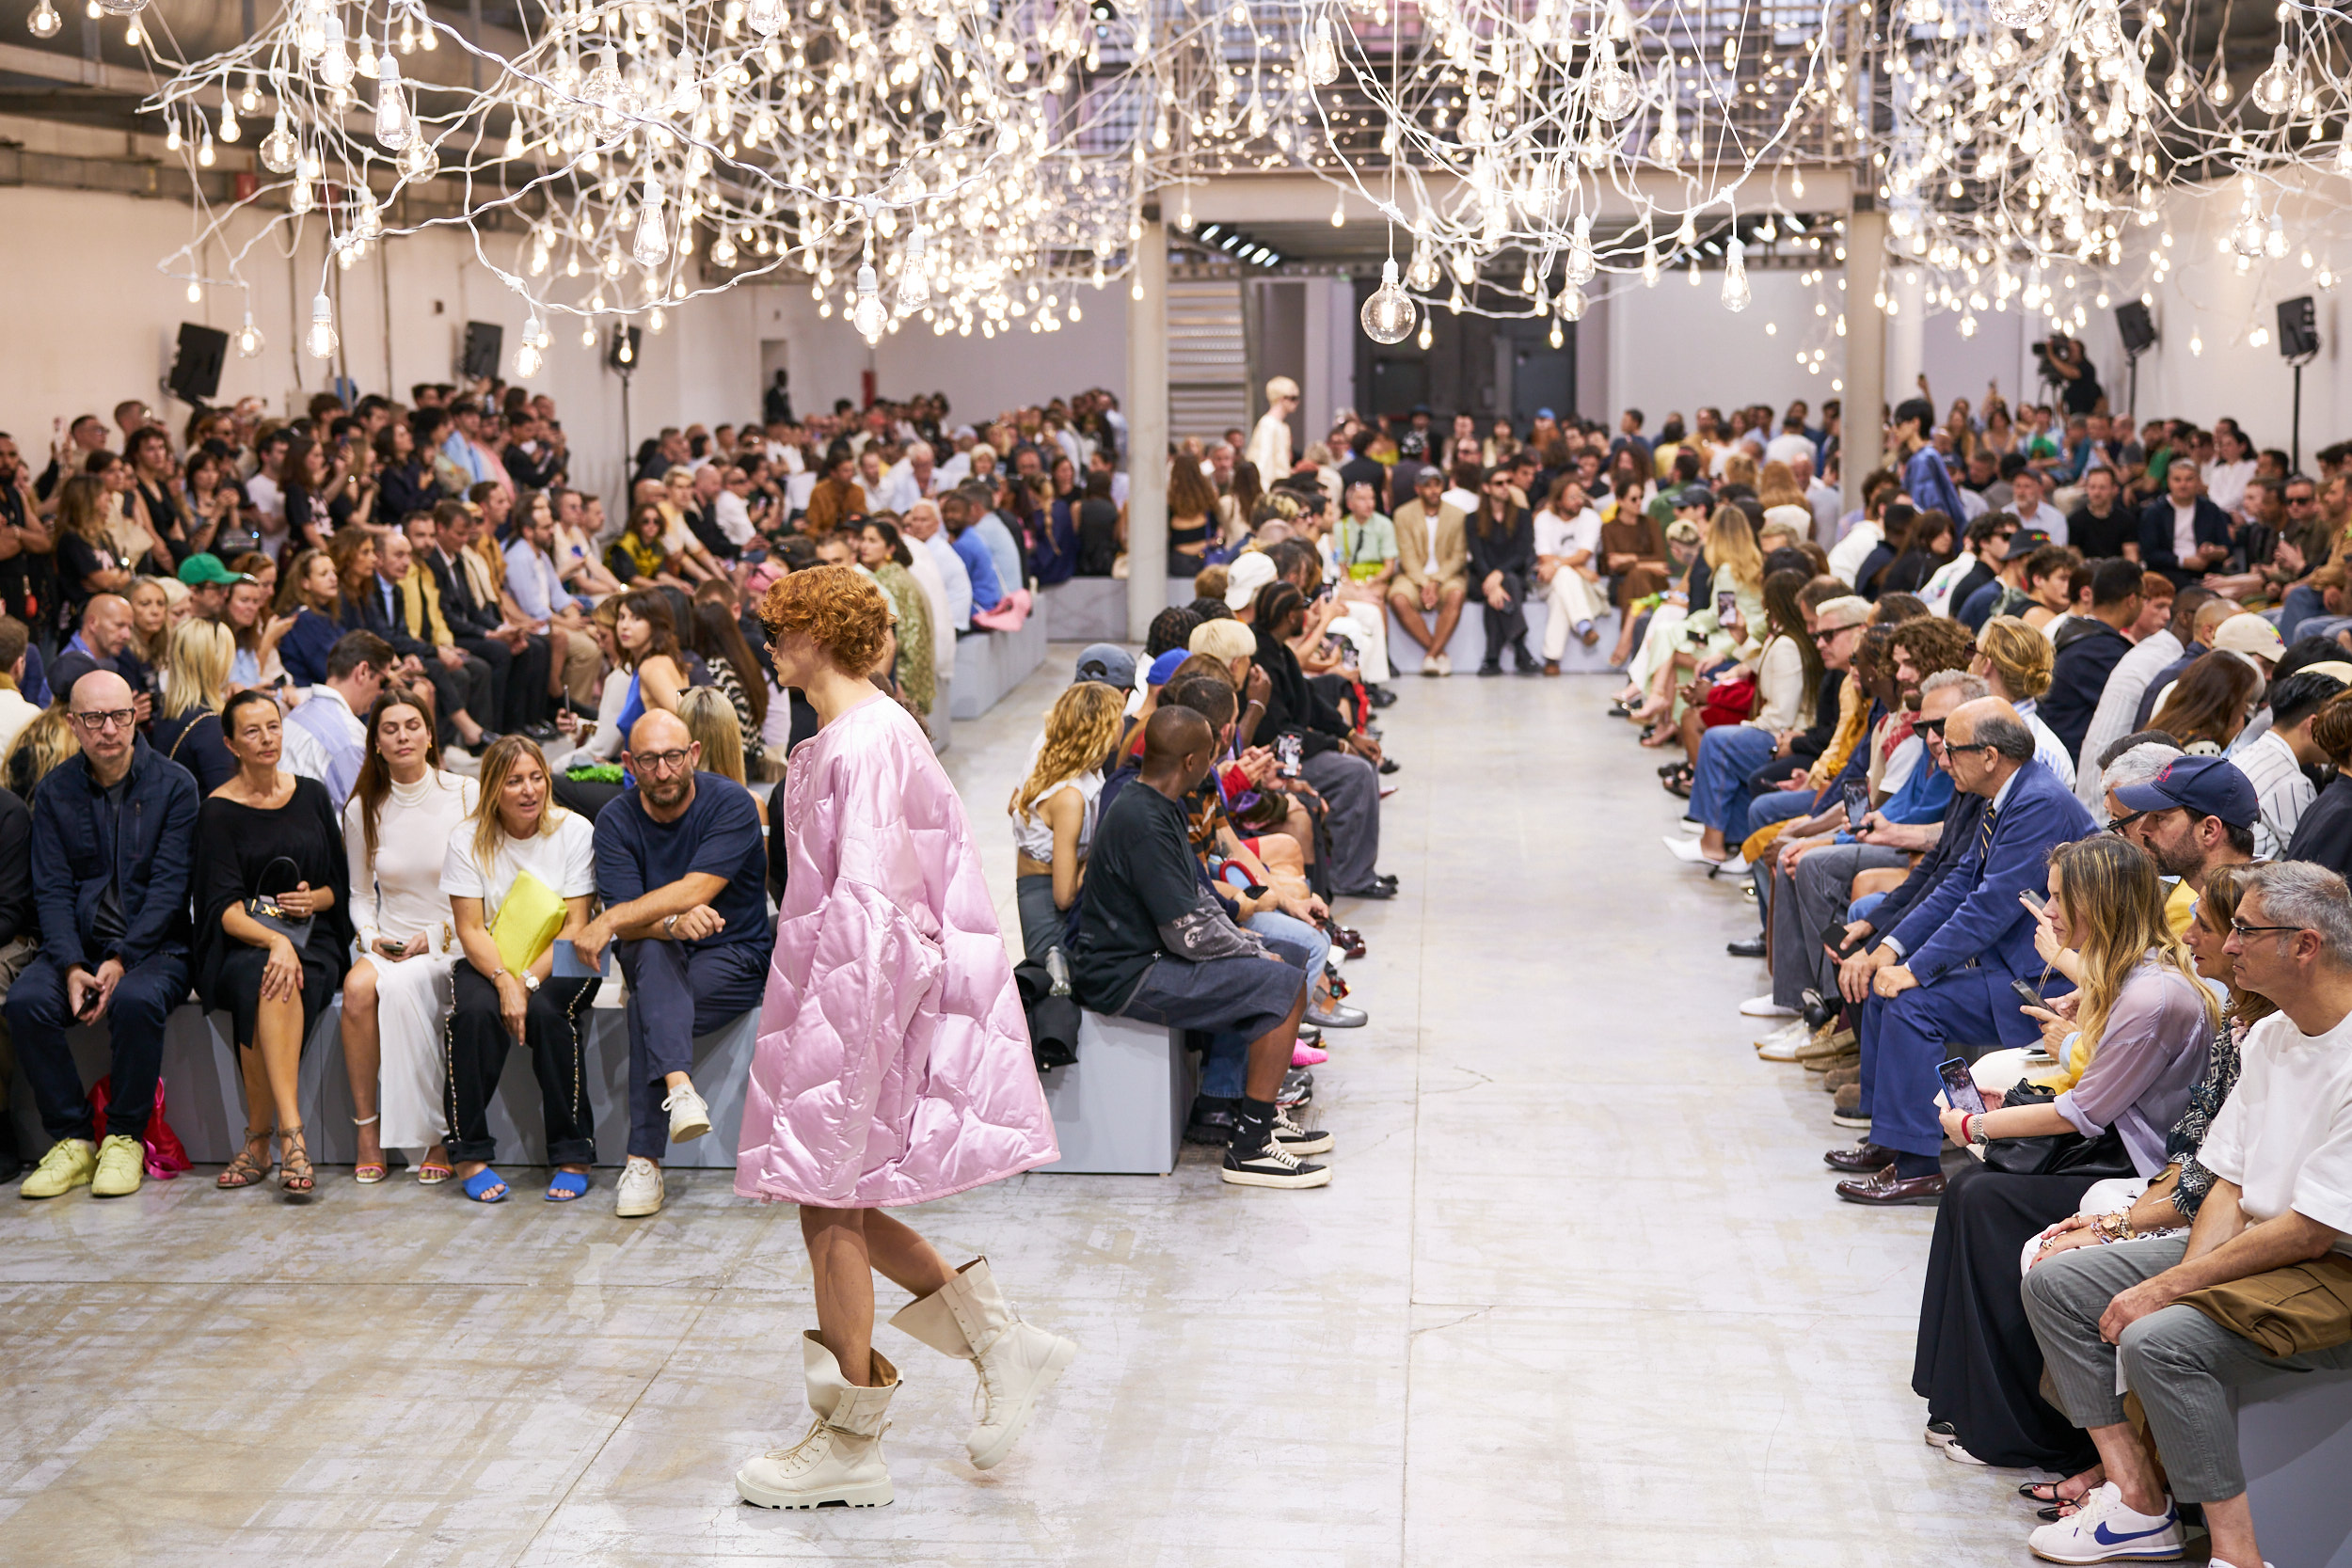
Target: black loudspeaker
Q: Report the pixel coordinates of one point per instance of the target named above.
(2298, 328)
(195, 368)
(622, 354)
(2140, 331)
(481, 356)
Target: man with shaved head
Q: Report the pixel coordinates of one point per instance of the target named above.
(104, 637)
(683, 873)
(1942, 974)
(113, 844)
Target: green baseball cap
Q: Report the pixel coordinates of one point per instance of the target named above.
(203, 569)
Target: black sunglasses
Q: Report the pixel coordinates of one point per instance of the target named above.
(1930, 726)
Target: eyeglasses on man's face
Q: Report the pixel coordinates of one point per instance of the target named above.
(660, 762)
(109, 719)
(2242, 931)
(2123, 824)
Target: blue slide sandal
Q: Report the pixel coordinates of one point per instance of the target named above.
(568, 1185)
(486, 1186)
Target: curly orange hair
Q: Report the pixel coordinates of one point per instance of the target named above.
(840, 606)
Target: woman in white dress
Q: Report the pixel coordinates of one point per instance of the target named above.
(396, 830)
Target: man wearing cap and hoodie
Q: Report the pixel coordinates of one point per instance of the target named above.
(208, 584)
(1432, 569)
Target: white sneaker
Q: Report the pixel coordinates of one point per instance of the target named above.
(1782, 1043)
(1764, 1007)
(2106, 1529)
(689, 1118)
(1687, 850)
(1443, 665)
(639, 1191)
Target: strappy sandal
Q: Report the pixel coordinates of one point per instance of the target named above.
(369, 1173)
(247, 1169)
(432, 1172)
(295, 1176)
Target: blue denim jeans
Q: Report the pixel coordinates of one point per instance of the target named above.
(1719, 790)
(1225, 1064)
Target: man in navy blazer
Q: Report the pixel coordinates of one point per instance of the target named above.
(2182, 518)
(1944, 972)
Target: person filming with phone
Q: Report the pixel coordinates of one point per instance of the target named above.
(2142, 1024)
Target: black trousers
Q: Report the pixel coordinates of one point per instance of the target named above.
(467, 688)
(474, 1049)
(1977, 1364)
(1507, 628)
(518, 681)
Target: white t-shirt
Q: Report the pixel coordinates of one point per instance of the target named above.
(2284, 1136)
(1563, 536)
(2225, 483)
(2183, 530)
(565, 860)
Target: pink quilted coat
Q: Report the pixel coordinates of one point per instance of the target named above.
(893, 1064)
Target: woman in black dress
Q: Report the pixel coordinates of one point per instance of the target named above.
(269, 832)
(2146, 1026)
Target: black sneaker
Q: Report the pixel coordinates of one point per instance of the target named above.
(1298, 1139)
(1211, 1121)
(1272, 1167)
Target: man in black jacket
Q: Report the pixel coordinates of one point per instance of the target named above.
(113, 846)
(1332, 760)
(461, 681)
(2080, 672)
(20, 938)
(519, 662)
(2181, 533)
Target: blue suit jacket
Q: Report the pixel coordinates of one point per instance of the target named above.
(2211, 526)
(1974, 913)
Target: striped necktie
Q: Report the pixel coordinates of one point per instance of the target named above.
(1984, 838)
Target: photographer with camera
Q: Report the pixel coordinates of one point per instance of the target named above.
(2066, 366)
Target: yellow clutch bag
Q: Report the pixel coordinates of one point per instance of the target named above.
(527, 922)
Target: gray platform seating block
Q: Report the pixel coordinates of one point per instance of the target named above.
(990, 664)
(205, 1104)
(1120, 1107)
(1469, 643)
(1086, 610)
(942, 719)
(2294, 1436)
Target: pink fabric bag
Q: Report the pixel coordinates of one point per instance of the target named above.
(1007, 616)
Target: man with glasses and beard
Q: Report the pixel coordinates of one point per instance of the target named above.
(683, 873)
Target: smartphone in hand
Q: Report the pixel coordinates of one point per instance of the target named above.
(2027, 994)
(1960, 1089)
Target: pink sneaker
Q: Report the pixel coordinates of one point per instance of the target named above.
(1308, 1055)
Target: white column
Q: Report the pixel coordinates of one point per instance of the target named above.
(1147, 433)
(1865, 395)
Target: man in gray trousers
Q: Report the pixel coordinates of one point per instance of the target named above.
(2281, 1151)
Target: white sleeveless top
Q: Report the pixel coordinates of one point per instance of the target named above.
(1034, 838)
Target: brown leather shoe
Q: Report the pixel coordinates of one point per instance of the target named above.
(1849, 1097)
(1862, 1157)
(1839, 1076)
(1551, 667)
(1885, 1190)
(1846, 1058)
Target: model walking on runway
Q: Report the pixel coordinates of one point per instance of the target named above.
(893, 1064)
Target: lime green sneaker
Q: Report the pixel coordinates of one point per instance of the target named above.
(122, 1167)
(70, 1163)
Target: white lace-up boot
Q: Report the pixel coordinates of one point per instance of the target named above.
(968, 1318)
(840, 1460)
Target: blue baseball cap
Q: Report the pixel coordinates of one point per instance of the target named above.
(2210, 786)
(1107, 662)
(1165, 665)
(1545, 414)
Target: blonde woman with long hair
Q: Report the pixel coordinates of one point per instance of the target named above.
(517, 840)
(1053, 810)
(711, 718)
(1735, 566)
(195, 680)
(2145, 1025)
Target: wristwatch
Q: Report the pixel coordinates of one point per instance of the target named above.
(669, 926)
(530, 981)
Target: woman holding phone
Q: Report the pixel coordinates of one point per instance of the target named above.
(2146, 1024)
(396, 831)
(273, 929)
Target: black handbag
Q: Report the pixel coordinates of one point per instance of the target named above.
(266, 910)
(2055, 1154)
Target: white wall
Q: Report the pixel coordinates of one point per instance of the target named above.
(981, 376)
(1673, 347)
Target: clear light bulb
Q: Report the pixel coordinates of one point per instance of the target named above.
(1426, 336)
(195, 291)
(766, 17)
(279, 148)
(868, 315)
(394, 126)
(1323, 54)
(45, 22)
(652, 244)
(526, 360)
(1388, 311)
(334, 65)
(2274, 89)
(1572, 303)
(320, 339)
(250, 341)
(204, 149)
(915, 287)
(121, 7)
(229, 130)
(1736, 293)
